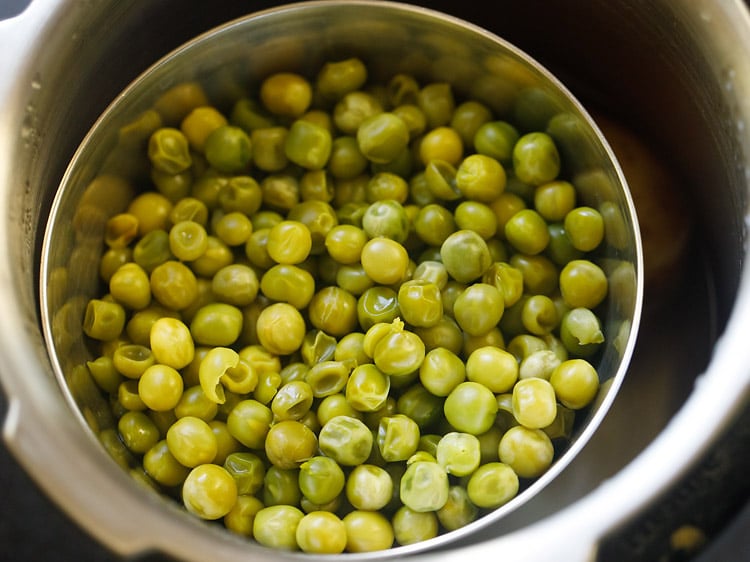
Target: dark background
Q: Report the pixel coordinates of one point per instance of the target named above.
(32, 528)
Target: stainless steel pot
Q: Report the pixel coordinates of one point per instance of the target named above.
(675, 72)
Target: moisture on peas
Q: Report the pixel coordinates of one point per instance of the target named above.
(347, 315)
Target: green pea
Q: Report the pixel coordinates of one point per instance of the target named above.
(241, 517)
(228, 149)
(540, 274)
(321, 479)
(281, 328)
(496, 139)
(440, 176)
(418, 404)
(441, 371)
(367, 388)
(249, 422)
(382, 137)
(289, 443)
(411, 527)
(480, 178)
(534, 403)
(174, 285)
(250, 115)
(352, 109)
(169, 151)
(527, 232)
(369, 487)
(321, 532)
(527, 451)
(386, 218)
(268, 148)
(346, 440)
(216, 324)
(476, 216)
(276, 526)
(209, 492)
(192, 442)
(583, 284)
(555, 199)
(286, 94)
(337, 78)
(575, 383)
(161, 465)
(335, 405)
(493, 368)
(385, 185)
(333, 310)
(434, 224)
(535, 158)
(465, 255)
(470, 408)
(367, 531)
(458, 510)
(131, 360)
(585, 228)
(195, 403)
(399, 352)
(539, 315)
(130, 286)
(420, 303)
(160, 387)
(103, 320)
(458, 453)
(248, 471)
(492, 485)
(152, 250)
(137, 431)
(424, 486)
(328, 377)
(478, 308)
(437, 101)
(560, 249)
(398, 437)
(308, 145)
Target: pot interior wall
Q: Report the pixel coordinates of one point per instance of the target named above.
(632, 59)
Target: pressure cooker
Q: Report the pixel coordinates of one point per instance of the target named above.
(669, 84)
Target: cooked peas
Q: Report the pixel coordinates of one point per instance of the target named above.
(411, 526)
(169, 151)
(367, 531)
(480, 178)
(308, 145)
(382, 137)
(310, 309)
(276, 526)
(160, 387)
(458, 453)
(424, 486)
(286, 94)
(209, 492)
(527, 451)
(575, 382)
(369, 487)
(492, 485)
(321, 532)
(471, 408)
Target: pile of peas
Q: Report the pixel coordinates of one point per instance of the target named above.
(346, 316)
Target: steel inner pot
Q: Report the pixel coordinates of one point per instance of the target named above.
(390, 39)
